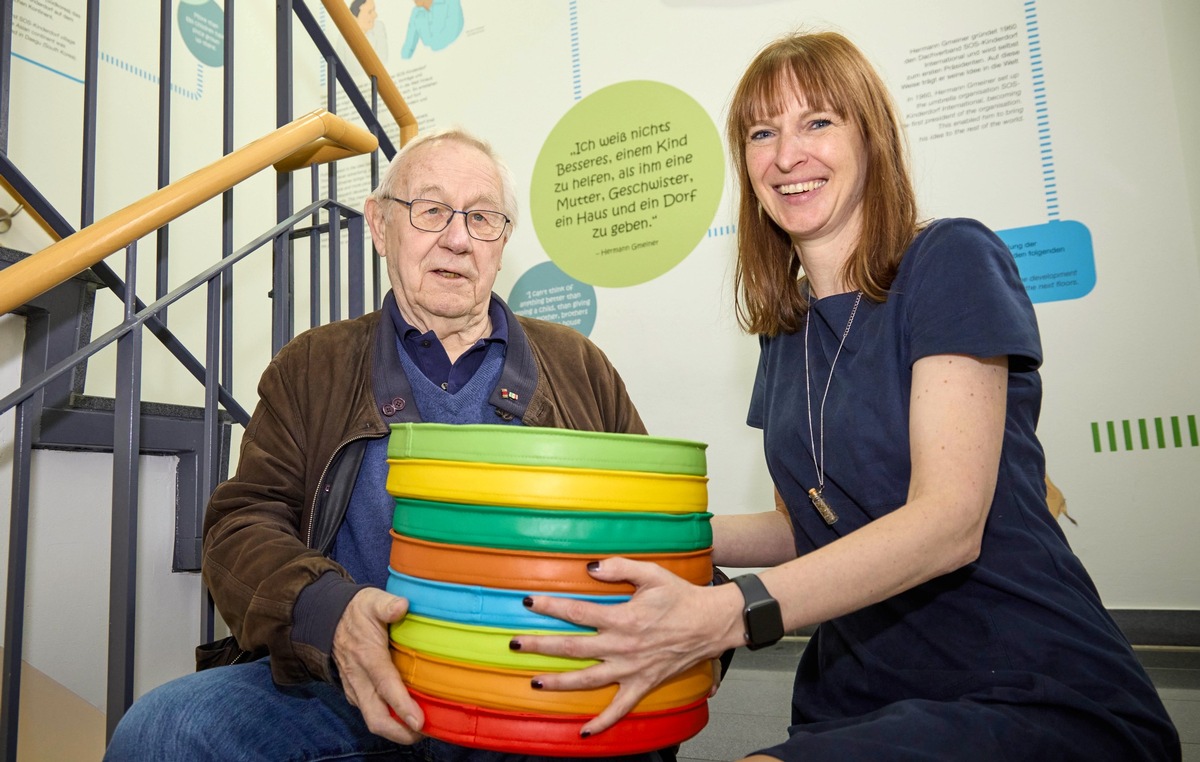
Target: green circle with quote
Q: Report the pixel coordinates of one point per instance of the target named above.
(627, 183)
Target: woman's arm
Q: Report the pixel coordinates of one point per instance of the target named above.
(956, 431)
(755, 539)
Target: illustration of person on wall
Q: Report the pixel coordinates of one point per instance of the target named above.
(368, 21)
(437, 23)
(898, 396)
(367, 16)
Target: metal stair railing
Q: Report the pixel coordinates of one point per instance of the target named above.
(32, 402)
(340, 14)
(316, 137)
(58, 227)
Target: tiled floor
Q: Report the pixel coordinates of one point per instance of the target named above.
(751, 709)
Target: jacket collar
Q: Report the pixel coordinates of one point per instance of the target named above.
(393, 393)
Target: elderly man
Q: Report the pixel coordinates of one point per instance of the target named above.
(296, 543)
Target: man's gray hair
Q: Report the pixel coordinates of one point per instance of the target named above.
(394, 176)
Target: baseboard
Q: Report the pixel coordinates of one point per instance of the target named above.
(1160, 627)
(1178, 628)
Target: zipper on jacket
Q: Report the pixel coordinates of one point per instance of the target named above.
(317, 496)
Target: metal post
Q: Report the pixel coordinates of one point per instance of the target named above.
(314, 250)
(209, 452)
(6, 16)
(18, 546)
(331, 213)
(377, 265)
(224, 350)
(91, 81)
(354, 258)
(281, 323)
(164, 143)
(122, 590)
(227, 205)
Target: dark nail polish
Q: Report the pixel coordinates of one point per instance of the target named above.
(514, 645)
(536, 684)
(527, 602)
(585, 734)
(593, 566)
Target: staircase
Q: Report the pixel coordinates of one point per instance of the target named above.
(64, 437)
(58, 323)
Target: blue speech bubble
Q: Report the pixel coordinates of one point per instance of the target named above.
(202, 26)
(1055, 259)
(548, 293)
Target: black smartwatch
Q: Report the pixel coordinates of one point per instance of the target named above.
(763, 619)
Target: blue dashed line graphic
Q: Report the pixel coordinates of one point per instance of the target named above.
(576, 80)
(152, 77)
(1041, 110)
(138, 71)
(720, 230)
(47, 68)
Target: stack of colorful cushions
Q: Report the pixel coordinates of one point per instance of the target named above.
(487, 515)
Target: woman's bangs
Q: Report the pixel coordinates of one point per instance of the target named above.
(773, 94)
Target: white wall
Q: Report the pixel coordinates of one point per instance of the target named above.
(1182, 19)
(1124, 103)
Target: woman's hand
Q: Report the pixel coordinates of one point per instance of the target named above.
(369, 678)
(667, 626)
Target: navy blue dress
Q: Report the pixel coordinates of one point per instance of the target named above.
(1010, 657)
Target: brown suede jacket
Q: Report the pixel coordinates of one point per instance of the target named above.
(268, 528)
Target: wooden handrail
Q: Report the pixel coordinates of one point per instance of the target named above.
(318, 136)
(16, 196)
(344, 20)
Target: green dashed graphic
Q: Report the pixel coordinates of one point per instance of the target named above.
(1150, 434)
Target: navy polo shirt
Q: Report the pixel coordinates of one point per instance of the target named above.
(426, 350)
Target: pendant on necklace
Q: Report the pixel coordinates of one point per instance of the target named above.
(822, 507)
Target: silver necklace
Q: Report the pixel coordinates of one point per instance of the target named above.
(815, 494)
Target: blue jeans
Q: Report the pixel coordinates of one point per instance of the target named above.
(237, 713)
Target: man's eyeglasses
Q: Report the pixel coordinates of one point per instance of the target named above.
(434, 217)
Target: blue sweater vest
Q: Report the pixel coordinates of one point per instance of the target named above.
(363, 543)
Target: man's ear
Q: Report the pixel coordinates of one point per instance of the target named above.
(376, 220)
(503, 243)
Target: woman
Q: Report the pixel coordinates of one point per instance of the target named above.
(898, 395)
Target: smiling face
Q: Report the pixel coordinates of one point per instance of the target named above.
(852, 163)
(442, 281)
(808, 168)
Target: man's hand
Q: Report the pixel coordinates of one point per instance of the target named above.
(370, 679)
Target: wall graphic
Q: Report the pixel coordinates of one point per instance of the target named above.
(434, 24)
(49, 34)
(626, 183)
(1018, 113)
(546, 292)
(202, 24)
(980, 81)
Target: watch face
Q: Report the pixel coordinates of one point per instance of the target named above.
(763, 618)
(764, 623)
